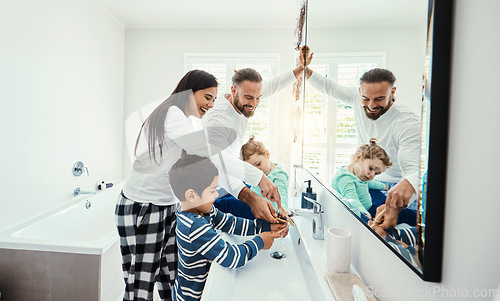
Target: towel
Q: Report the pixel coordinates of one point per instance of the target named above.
(341, 285)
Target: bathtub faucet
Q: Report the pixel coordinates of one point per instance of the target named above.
(77, 191)
(318, 223)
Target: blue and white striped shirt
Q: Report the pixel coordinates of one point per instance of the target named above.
(199, 244)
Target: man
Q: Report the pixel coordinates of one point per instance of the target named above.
(396, 128)
(229, 117)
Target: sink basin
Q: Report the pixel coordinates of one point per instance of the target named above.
(266, 278)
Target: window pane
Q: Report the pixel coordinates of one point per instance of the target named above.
(258, 125)
(217, 70)
(315, 124)
(222, 68)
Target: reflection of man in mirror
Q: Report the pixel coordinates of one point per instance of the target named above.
(395, 126)
(230, 115)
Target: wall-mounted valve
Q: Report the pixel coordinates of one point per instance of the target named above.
(78, 169)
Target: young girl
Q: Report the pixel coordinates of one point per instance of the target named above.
(255, 153)
(354, 180)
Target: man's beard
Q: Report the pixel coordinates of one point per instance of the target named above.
(242, 107)
(380, 113)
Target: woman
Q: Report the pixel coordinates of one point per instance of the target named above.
(145, 212)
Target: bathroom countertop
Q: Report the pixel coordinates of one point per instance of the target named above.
(301, 276)
(262, 278)
(317, 253)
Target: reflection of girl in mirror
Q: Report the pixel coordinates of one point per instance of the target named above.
(354, 180)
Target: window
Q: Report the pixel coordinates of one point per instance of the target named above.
(222, 66)
(330, 137)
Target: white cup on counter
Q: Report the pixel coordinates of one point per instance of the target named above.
(338, 248)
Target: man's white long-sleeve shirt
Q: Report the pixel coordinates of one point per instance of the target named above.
(398, 131)
(226, 126)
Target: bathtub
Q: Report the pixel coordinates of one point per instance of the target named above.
(71, 252)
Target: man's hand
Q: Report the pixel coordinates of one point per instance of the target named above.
(261, 208)
(399, 196)
(269, 190)
(305, 58)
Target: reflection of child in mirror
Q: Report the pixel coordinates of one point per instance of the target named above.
(354, 180)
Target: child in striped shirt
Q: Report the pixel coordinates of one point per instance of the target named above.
(194, 181)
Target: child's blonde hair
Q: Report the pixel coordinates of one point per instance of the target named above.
(373, 150)
(252, 147)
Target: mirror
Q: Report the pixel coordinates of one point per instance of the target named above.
(348, 39)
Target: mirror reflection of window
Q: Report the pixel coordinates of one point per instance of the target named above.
(315, 126)
(330, 136)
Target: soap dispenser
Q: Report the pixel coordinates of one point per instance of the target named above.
(309, 194)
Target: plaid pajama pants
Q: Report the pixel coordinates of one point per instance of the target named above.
(149, 248)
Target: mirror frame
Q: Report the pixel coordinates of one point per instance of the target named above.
(442, 13)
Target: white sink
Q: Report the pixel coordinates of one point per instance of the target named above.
(265, 278)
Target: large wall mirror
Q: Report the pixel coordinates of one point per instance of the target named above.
(411, 39)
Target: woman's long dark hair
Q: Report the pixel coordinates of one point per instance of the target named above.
(154, 125)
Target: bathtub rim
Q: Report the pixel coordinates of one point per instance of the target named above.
(96, 247)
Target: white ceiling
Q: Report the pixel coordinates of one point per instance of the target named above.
(262, 13)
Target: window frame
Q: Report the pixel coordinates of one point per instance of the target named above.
(333, 60)
(233, 59)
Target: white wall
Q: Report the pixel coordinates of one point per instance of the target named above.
(471, 264)
(61, 77)
(404, 45)
(154, 62)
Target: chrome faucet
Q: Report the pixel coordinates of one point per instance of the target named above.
(77, 191)
(318, 224)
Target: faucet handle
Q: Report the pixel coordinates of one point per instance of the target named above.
(79, 168)
(318, 207)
